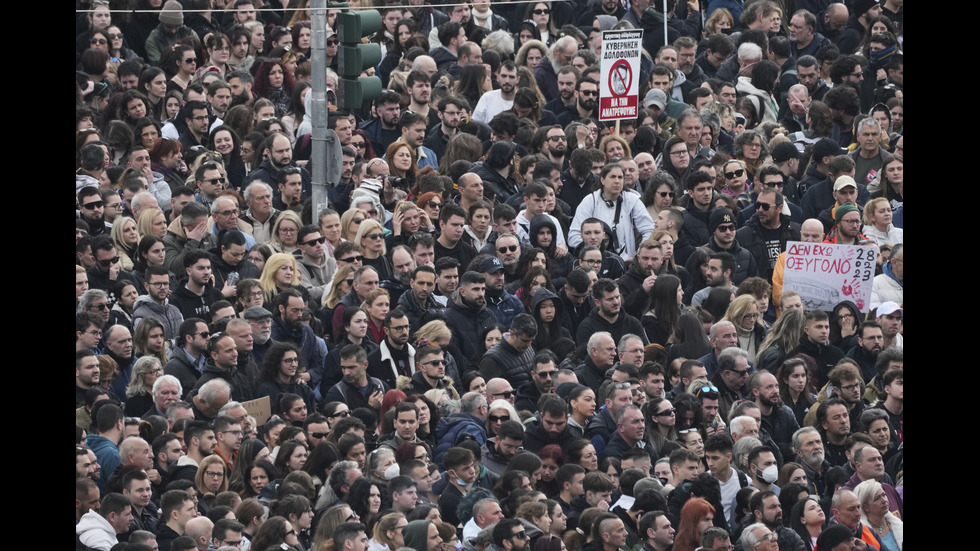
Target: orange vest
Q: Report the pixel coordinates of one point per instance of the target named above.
(869, 537)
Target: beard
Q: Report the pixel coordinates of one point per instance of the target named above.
(588, 105)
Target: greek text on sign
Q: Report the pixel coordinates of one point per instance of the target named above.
(825, 274)
(620, 75)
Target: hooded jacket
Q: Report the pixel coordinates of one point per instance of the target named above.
(168, 314)
(315, 277)
(560, 267)
(826, 357)
(635, 299)
(764, 103)
(95, 532)
(416, 535)
(420, 314)
(222, 269)
(450, 428)
(467, 323)
(886, 287)
(624, 324)
(303, 338)
(193, 306)
(745, 265)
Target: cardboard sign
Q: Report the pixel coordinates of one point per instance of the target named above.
(619, 81)
(260, 408)
(824, 274)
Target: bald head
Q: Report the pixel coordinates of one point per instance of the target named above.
(425, 63)
(811, 231)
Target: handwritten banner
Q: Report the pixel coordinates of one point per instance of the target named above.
(826, 274)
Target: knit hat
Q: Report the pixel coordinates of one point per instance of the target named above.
(172, 14)
(844, 209)
(861, 7)
(718, 217)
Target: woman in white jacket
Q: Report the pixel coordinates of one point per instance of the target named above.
(624, 212)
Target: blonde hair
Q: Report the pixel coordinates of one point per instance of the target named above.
(869, 210)
(738, 307)
(332, 299)
(142, 367)
(363, 230)
(268, 278)
(345, 221)
(284, 216)
(145, 225)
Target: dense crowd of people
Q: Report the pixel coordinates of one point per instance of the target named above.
(515, 327)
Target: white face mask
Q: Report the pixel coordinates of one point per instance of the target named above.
(392, 471)
(770, 474)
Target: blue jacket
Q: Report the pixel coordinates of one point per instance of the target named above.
(505, 307)
(450, 428)
(108, 455)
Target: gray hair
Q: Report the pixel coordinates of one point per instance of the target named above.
(749, 51)
(250, 190)
(713, 332)
(800, 432)
(741, 449)
(688, 113)
(168, 379)
(90, 296)
(621, 416)
(560, 45)
(596, 337)
(210, 390)
(749, 540)
(215, 207)
(128, 445)
(228, 407)
(471, 402)
(867, 121)
(139, 197)
(737, 425)
(728, 356)
(621, 347)
(499, 41)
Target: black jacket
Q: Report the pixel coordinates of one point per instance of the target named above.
(825, 355)
(624, 324)
(745, 265)
(241, 387)
(750, 239)
(467, 323)
(503, 360)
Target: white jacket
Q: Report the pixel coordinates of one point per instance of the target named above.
(633, 217)
(96, 532)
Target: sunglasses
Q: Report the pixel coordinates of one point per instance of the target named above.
(341, 414)
(357, 258)
(434, 205)
(556, 138)
(541, 12)
(357, 221)
(666, 193)
(116, 36)
(99, 41)
(735, 174)
(213, 181)
(359, 145)
(726, 227)
(109, 261)
(666, 412)
(506, 249)
(313, 242)
(589, 92)
(763, 206)
(507, 394)
(522, 535)
(434, 362)
(374, 236)
(318, 435)
(191, 60)
(93, 205)
(499, 418)
(332, 42)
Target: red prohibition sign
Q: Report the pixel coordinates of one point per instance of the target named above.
(620, 77)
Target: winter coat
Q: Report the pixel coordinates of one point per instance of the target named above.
(503, 360)
(886, 287)
(467, 323)
(95, 532)
(749, 238)
(624, 324)
(177, 245)
(450, 428)
(166, 313)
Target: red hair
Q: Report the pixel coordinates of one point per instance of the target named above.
(693, 512)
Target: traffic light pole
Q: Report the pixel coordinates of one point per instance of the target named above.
(325, 156)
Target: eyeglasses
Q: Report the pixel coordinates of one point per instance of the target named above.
(158, 284)
(763, 206)
(357, 258)
(726, 228)
(434, 362)
(204, 334)
(210, 474)
(101, 306)
(359, 145)
(93, 205)
(507, 249)
(294, 360)
(499, 418)
(314, 242)
(589, 92)
(556, 138)
(109, 261)
(735, 174)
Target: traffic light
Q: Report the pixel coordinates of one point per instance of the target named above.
(354, 57)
